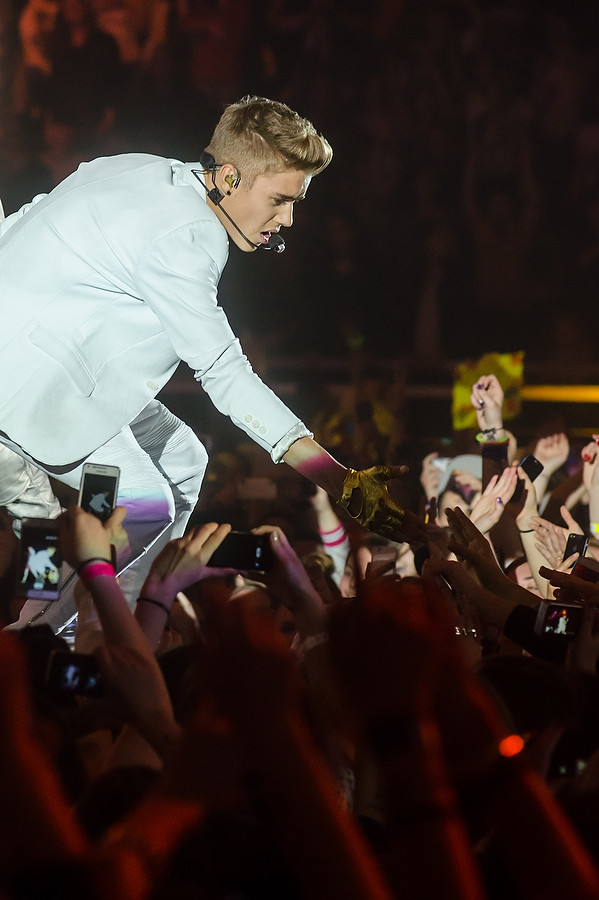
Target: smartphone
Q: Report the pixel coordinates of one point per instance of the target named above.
(558, 619)
(73, 673)
(531, 465)
(98, 489)
(243, 551)
(576, 543)
(585, 567)
(533, 468)
(40, 562)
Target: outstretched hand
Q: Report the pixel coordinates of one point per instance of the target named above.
(489, 507)
(183, 561)
(367, 499)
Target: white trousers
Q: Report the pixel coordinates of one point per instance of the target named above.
(162, 465)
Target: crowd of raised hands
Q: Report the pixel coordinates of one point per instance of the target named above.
(377, 719)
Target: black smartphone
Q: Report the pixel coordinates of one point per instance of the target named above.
(243, 551)
(558, 619)
(98, 489)
(533, 468)
(40, 562)
(576, 543)
(73, 673)
(531, 465)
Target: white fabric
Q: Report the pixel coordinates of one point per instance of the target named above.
(105, 284)
(162, 464)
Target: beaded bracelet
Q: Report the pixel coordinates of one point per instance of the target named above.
(482, 438)
(157, 603)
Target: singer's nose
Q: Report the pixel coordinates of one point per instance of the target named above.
(285, 215)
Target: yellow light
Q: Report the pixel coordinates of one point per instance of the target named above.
(561, 393)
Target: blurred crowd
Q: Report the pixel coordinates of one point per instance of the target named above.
(464, 187)
(353, 716)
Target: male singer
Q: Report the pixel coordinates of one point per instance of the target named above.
(111, 279)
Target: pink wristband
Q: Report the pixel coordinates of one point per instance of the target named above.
(334, 537)
(95, 569)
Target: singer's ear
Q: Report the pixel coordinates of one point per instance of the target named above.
(230, 175)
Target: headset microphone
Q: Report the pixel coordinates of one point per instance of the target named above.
(216, 196)
(275, 242)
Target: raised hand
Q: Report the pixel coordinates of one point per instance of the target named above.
(489, 507)
(552, 451)
(83, 536)
(430, 475)
(183, 561)
(487, 400)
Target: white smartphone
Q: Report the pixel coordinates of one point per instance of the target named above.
(98, 489)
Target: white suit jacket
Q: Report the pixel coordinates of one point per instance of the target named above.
(105, 284)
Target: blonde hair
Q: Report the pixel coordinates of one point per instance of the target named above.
(261, 137)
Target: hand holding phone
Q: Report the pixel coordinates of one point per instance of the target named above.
(243, 551)
(576, 543)
(533, 468)
(558, 619)
(73, 673)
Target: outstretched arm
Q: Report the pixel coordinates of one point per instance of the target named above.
(364, 494)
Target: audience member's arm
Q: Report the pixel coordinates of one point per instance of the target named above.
(180, 564)
(552, 451)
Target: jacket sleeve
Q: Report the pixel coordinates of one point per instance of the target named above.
(178, 278)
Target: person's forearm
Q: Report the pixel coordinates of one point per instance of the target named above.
(535, 559)
(560, 865)
(322, 844)
(314, 462)
(594, 507)
(36, 827)
(422, 810)
(118, 624)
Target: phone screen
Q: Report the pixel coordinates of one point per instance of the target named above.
(98, 491)
(41, 562)
(558, 619)
(74, 673)
(243, 551)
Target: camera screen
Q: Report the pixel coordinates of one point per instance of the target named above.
(242, 551)
(74, 679)
(74, 673)
(562, 620)
(98, 495)
(40, 563)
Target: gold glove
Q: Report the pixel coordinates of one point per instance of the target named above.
(379, 511)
